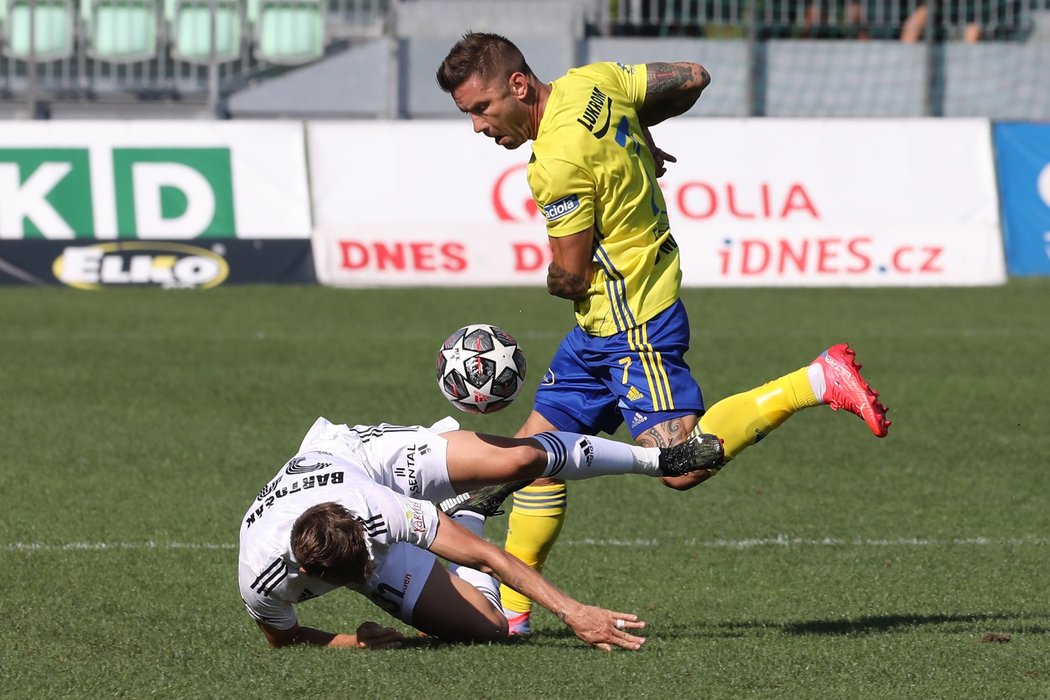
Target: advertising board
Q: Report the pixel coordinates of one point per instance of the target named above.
(1023, 155)
(763, 202)
(153, 180)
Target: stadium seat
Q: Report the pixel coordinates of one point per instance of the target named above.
(122, 31)
(192, 30)
(51, 38)
(289, 32)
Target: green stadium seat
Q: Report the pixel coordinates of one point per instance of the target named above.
(289, 32)
(53, 23)
(123, 30)
(192, 31)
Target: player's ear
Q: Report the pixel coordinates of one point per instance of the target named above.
(519, 85)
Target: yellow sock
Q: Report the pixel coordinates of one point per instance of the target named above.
(535, 522)
(743, 419)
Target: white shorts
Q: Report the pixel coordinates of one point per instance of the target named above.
(396, 585)
(408, 459)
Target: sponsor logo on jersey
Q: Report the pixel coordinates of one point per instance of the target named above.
(415, 517)
(548, 378)
(637, 420)
(296, 466)
(599, 102)
(563, 207)
(634, 394)
(408, 471)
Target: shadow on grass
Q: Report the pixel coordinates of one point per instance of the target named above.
(434, 643)
(1014, 623)
(873, 624)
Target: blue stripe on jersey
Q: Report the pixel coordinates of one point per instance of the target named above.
(616, 290)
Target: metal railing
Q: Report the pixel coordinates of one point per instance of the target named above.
(175, 51)
(852, 19)
(194, 52)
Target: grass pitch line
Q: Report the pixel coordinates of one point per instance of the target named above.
(777, 541)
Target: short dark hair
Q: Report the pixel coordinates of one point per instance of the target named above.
(328, 537)
(484, 55)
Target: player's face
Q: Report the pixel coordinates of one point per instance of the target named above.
(340, 578)
(495, 108)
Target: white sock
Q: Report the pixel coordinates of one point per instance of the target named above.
(817, 381)
(489, 587)
(572, 456)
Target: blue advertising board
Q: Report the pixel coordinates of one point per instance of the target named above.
(1023, 157)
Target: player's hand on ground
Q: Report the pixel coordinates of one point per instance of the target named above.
(605, 629)
(371, 635)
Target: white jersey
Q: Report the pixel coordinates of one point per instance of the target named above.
(381, 474)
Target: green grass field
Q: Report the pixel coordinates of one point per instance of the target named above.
(137, 426)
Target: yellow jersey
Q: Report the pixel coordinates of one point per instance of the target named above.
(590, 165)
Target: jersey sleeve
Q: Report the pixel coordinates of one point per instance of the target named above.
(565, 194)
(635, 82)
(390, 517)
(255, 594)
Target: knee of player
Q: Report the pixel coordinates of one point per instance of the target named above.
(493, 629)
(528, 459)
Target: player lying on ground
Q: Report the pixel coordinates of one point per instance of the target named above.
(355, 508)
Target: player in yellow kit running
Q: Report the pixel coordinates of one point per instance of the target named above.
(593, 174)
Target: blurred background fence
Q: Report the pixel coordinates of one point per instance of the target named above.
(376, 58)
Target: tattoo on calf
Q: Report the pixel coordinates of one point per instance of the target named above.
(665, 434)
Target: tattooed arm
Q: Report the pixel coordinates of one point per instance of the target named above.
(672, 89)
(572, 268)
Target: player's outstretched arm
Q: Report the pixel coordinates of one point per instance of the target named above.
(370, 635)
(672, 89)
(596, 626)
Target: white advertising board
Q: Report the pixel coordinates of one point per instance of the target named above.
(171, 180)
(761, 202)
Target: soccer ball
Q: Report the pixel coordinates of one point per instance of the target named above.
(480, 368)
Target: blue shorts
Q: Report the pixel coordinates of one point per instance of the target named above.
(639, 377)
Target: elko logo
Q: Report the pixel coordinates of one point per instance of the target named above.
(160, 193)
(170, 265)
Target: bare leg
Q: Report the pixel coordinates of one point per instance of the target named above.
(450, 608)
(476, 459)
